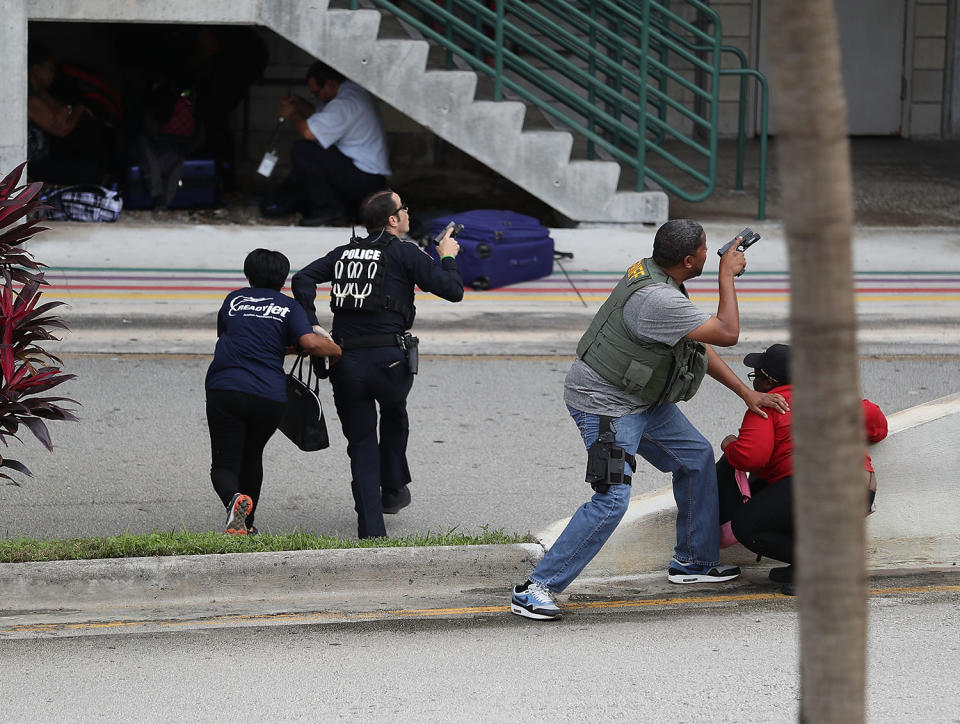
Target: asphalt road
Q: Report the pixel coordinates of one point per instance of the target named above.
(598, 664)
(491, 445)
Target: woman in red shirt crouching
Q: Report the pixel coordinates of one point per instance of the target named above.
(763, 448)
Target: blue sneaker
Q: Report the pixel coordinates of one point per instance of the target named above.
(692, 573)
(532, 600)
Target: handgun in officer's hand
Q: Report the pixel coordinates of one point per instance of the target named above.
(748, 237)
(453, 227)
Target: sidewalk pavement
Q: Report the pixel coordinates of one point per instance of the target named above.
(908, 279)
(137, 288)
(596, 247)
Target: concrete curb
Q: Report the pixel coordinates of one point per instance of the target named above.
(356, 574)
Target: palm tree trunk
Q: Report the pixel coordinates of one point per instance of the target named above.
(830, 495)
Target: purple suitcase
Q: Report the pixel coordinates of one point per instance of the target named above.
(498, 248)
(199, 187)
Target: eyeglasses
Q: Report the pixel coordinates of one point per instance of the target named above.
(402, 208)
(762, 374)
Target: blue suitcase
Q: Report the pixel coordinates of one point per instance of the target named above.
(199, 187)
(498, 248)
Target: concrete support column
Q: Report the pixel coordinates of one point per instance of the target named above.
(952, 123)
(13, 88)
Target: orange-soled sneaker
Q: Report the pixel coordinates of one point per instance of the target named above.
(237, 512)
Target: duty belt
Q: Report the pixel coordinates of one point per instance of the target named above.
(369, 340)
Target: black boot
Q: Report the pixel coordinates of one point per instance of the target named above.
(395, 500)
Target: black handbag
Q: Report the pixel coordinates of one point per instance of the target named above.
(302, 420)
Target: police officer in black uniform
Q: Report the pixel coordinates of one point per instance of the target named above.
(372, 303)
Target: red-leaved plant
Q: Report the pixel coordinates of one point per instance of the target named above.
(27, 368)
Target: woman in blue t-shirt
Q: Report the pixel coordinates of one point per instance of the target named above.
(246, 385)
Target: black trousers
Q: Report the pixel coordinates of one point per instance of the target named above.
(329, 181)
(240, 425)
(362, 380)
(764, 524)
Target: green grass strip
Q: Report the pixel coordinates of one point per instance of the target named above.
(23, 550)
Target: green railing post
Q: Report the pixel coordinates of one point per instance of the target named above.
(618, 83)
(662, 84)
(498, 55)
(448, 56)
(642, 95)
(762, 180)
(741, 130)
(478, 26)
(592, 69)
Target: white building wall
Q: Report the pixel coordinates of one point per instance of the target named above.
(13, 87)
(930, 61)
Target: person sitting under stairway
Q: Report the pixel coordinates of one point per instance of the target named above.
(342, 156)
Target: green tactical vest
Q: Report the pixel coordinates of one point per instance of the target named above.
(655, 372)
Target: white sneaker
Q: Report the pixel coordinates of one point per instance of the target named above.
(532, 600)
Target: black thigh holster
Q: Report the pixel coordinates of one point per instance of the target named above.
(605, 460)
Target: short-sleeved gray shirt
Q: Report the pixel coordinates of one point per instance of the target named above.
(654, 313)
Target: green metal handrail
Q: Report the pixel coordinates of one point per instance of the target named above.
(616, 61)
(744, 71)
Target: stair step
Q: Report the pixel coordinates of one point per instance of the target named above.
(599, 177)
(351, 28)
(649, 207)
(505, 116)
(389, 62)
(445, 91)
(551, 148)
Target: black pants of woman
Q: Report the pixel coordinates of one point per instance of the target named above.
(240, 425)
(764, 524)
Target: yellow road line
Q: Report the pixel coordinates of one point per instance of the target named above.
(329, 616)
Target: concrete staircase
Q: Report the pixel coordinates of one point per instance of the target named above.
(395, 70)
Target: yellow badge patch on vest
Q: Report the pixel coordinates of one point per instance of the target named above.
(637, 271)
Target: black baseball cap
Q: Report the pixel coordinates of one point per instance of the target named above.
(774, 362)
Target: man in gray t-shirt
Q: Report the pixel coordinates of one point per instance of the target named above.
(657, 313)
(659, 323)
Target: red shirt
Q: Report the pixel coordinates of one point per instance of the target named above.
(764, 447)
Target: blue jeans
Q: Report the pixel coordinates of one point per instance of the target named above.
(667, 440)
